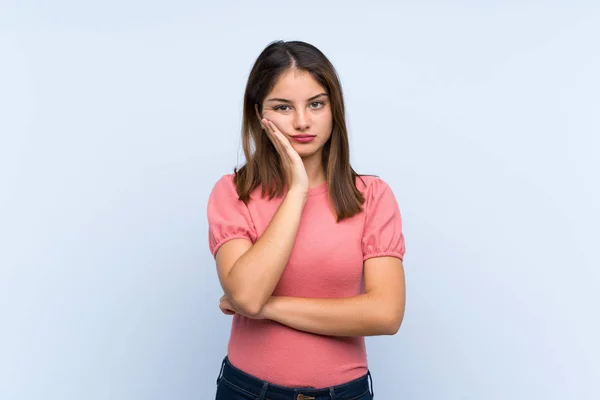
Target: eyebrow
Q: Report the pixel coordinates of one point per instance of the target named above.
(289, 101)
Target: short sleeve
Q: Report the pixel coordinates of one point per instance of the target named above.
(383, 234)
(228, 217)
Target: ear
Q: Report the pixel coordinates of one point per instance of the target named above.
(257, 113)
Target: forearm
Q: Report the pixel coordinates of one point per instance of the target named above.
(362, 315)
(256, 273)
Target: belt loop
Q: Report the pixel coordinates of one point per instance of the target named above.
(221, 371)
(332, 393)
(263, 392)
(371, 380)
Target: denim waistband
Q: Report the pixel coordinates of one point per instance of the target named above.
(263, 390)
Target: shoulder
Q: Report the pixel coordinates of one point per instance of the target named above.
(371, 184)
(225, 182)
(224, 188)
(378, 194)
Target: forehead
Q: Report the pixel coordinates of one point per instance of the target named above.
(296, 85)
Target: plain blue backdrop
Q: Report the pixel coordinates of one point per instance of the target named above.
(117, 117)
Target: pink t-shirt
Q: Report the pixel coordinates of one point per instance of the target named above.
(326, 262)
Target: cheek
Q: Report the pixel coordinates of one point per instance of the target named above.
(272, 115)
(325, 122)
(281, 121)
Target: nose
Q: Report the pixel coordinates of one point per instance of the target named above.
(302, 120)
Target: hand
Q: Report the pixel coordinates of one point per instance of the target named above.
(226, 306)
(290, 159)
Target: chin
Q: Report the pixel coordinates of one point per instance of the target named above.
(305, 151)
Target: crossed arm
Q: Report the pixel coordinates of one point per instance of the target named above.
(249, 273)
(379, 311)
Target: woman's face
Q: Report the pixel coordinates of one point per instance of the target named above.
(299, 106)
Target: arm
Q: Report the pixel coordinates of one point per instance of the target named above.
(249, 273)
(379, 311)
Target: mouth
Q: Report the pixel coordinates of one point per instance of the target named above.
(303, 138)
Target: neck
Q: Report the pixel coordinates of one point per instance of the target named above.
(315, 170)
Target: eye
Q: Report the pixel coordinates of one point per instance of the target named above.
(317, 104)
(280, 107)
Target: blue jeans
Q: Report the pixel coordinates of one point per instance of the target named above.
(235, 384)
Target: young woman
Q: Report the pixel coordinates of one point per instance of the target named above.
(308, 252)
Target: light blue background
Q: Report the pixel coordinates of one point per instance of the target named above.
(117, 117)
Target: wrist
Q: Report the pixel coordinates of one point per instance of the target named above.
(269, 309)
(297, 192)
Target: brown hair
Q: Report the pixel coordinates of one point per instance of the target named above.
(263, 167)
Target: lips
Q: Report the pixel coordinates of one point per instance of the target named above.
(303, 138)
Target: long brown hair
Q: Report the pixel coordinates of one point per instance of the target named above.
(263, 167)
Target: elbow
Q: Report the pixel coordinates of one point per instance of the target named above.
(391, 323)
(248, 305)
(245, 300)
(252, 310)
(393, 327)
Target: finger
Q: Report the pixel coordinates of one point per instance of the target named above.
(226, 311)
(229, 310)
(225, 303)
(288, 151)
(278, 135)
(272, 135)
(266, 127)
(226, 307)
(273, 127)
(265, 123)
(270, 125)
